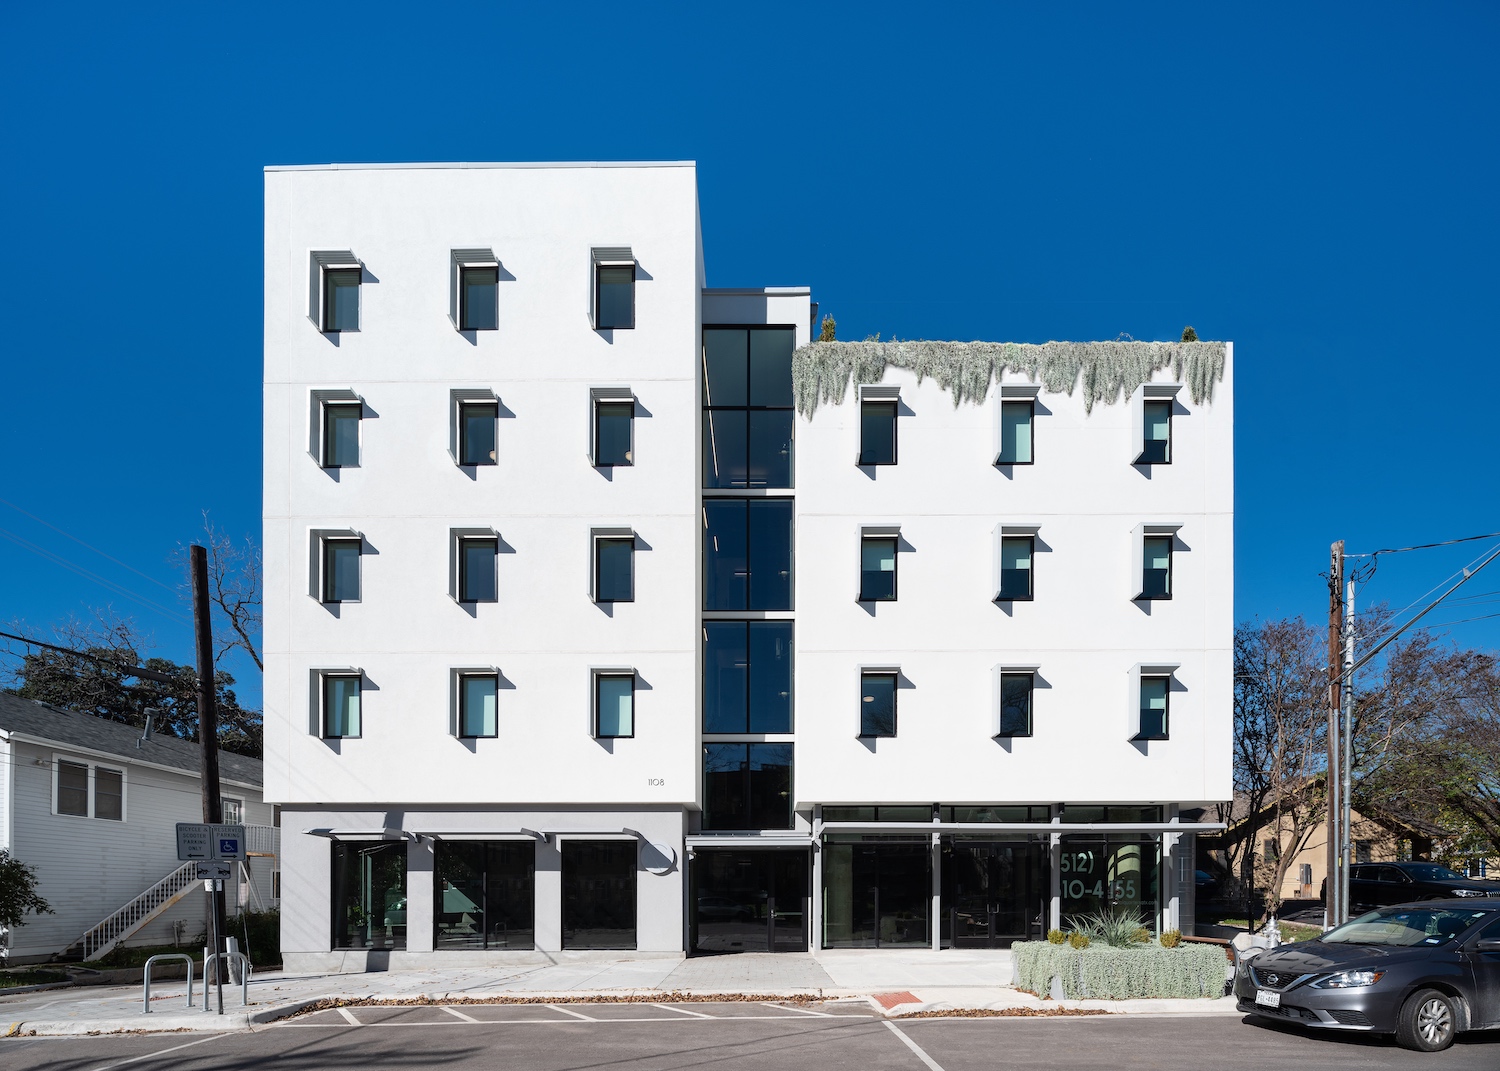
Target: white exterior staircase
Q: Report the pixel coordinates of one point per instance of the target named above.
(100, 938)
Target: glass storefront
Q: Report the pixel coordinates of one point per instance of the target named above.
(598, 880)
(369, 894)
(483, 893)
(1118, 872)
(994, 893)
(876, 893)
(750, 900)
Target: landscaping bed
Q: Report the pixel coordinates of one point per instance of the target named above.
(1111, 957)
(26, 976)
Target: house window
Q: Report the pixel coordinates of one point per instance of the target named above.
(747, 407)
(341, 570)
(1015, 704)
(877, 569)
(476, 568)
(1016, 418)
(614, 568)
(341, 434)
(477, 704)
(341, 299)
(341, 706)
(614, 289)
(478, 307)
(1156, 440)
(232, 810)
(877, 704)
(72, 788)
(747, 786)
(1153, 723)
(1156, 567)
(747, 554)
(877, 433)
(1363, 851)
(476, 432)
(614, 704)
(614, 433)
(109, 794)
(747, 676)
(1015, 568)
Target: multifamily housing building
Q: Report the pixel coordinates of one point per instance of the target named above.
(607, 610)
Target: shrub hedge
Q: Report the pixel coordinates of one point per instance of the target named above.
(1101, 972)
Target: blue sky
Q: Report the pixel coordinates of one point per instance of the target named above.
(1314, 183)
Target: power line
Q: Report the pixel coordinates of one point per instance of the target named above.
(1423, 546)
(95, 577)
(88, 546)
(129, 670)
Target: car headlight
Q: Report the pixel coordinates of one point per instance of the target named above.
(1348, 980)
(1467, 892)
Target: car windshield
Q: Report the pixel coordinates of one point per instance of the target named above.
(1433, 872)
(1404, 927)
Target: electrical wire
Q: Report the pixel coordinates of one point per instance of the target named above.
(88, 546)
(95, 577)
(1423, 546)
(125, 667)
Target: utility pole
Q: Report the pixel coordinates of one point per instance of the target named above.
(208, 740)
(1346, 789)
(1331, 886)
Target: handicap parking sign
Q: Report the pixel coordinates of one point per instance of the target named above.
(229, 846)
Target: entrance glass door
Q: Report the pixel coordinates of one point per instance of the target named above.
(993, 893)
(750, 900)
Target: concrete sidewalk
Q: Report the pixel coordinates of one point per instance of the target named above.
(907, 981)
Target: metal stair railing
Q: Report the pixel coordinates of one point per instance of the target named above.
(99, 939)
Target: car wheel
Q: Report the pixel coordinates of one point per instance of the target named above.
(1428, 1021)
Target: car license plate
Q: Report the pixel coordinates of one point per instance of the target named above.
(1268, 998)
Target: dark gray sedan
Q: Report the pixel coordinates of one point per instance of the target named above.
(1425, 972)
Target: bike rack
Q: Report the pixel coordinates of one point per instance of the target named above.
(245, 969)
(146, 996)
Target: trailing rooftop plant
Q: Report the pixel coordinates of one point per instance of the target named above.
(1107, 371)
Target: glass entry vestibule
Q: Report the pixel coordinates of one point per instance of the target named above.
(750, 900)
(994, 892)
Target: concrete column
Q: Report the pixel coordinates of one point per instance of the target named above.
(937, 891)
(815, 900)
(420, 862)
(548, 897)
(1055, 866)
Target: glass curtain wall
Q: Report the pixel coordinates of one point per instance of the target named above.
(750, 901)
(483, 894)
(369, 894)
(1119, 873)
(747, 407)
(747, 786)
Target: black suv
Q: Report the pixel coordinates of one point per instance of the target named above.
(1378, 884)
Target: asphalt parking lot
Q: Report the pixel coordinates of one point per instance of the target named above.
(742, 1036)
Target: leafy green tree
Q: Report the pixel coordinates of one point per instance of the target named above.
(18, 896)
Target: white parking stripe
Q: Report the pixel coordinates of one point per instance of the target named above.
(932, 1064)
(574, 1014)
(349, 1017)
(159, 1052)
(800, 1011)
(684, 1011)
(459, 1014)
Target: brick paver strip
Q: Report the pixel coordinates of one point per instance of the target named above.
(890, 1000)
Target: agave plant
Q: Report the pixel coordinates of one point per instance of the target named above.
(1119, 927)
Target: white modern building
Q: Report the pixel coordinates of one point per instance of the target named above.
(608, 610)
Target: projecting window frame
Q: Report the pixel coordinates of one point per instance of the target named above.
(325, 445)
(482, 404)
(483, 267)
(466, 585)
(616, 402)
(879, 403)
(86, 778)
(612, 684)
(611, 541)
(328, 687)
(1152, 410)
(1145, 541)
(466, 686)
(611, 265)
(874, 683)
(323, 543)
(1006, 678)
(874, 539)
(1016, 398)
(331, 274)
(1152, 683)
(1009, 540)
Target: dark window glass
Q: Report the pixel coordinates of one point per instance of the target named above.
(613, 427)
(769, 448)
(341, 299)
(1015, 567)
(877, 570)
(109, 794)
(340, 570)
(726, 358)
(771, 366)
(876, 894)
(483, 894)
(480, 310)
(616, 297)
(476, 433)
(1154, 708)
(747, 554)
(747, 677)
(72, 788)
(1156, 576)
(614, 570)
(478, 697)
(1015, 704)
(747, 786)
(849, 814)
(747, 399)
(341, 435)
(341, 703)
(877, 704)
(598, 880)
(614, 705)
(1015, 433)
(476, 570)
(369, 894)
(1156, 449)
(726, 436)
(1116, 873)
(997, 814)
(877, 433)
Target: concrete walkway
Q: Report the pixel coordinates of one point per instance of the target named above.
(909, 980)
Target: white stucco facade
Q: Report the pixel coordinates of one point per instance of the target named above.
(409, 790)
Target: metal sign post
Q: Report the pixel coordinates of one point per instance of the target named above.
(216, 847)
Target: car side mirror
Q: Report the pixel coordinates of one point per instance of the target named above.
(1489, 944)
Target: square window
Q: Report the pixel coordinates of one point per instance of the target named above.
(877, 569)
(1156, 445)
(747, 676)
(1016, 553)
(477, 702)
(341, 713)
(614, 705)
(72, 788)
(614, 433)
(1154, 692)
(1015, 704)
(476, 432)
(614, 296)
(476, 569)
(478, 304)
(341, 299)
(877, 433)
(747, 786)
(341, 570)
(341, 434)
(109, 794)
(877, 704)
(1156, 567)
(748, 421)
(614, 569)
(747, 553)
(1015, 433)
